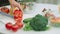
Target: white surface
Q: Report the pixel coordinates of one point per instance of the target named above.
(36, 9)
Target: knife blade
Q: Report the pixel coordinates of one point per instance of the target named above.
(8, 15)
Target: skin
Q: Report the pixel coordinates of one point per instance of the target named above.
(13, 3)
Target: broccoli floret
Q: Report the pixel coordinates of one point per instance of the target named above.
(39, 22)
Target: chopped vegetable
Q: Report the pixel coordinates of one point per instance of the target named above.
(27, 27)
(19, 24)
(8, 26)
(55, 21)
(5, 10)
(39, 23)
(18, 14)
(15, 28)
(27, 20)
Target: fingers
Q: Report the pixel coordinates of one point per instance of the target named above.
(15, 4)
(19, 6)
(12, 5)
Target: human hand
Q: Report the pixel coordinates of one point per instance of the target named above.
(13, 4)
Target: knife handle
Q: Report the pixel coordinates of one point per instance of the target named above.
(12, 10)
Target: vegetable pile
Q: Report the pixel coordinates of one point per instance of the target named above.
(37, 23)
(18, 21)
(27, 24)
(5, 10)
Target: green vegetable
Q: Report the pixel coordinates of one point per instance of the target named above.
(39, 23)
(27, 27)
(27, 20)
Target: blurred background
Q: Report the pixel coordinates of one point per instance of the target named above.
(44, 1)
(6, 2)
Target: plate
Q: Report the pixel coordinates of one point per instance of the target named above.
(37, 9)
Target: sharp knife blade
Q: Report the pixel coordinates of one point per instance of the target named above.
(2, 13)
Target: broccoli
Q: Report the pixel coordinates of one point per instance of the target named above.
(27, 27)
(39, 23)
(27, 20)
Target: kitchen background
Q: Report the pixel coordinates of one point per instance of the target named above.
(45, 1)
(5, 2)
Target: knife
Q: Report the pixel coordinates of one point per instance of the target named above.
(8, 15)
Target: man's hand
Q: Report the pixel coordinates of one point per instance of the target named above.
(15, 4)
